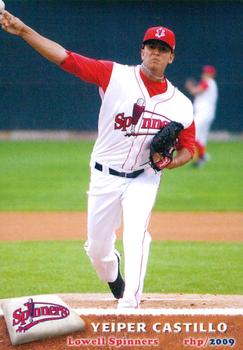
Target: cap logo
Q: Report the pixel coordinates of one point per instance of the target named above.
(160, 32)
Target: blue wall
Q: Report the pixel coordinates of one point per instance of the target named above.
(35, 94)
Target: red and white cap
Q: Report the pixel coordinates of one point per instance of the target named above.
(209, 70)
(162, 34)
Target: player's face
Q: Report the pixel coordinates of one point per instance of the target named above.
(156, 55)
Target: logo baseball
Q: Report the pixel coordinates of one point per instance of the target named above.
(160, 32)
(149, 121)
(34, 313)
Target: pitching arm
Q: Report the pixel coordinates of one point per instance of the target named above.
(44, 46)
(195, 88)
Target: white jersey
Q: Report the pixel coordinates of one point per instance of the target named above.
(118, 151)
(206, 101)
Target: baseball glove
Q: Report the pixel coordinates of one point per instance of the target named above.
(163, 145)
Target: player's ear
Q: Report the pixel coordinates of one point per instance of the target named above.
(172, 57)
(142, 53)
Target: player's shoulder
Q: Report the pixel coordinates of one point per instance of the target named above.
(123, 67)
(180, 96)
(212, 82)
(183, 106)
(122, 71)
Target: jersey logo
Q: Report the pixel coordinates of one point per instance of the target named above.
(123, 123)
(140, 119)
(160, 32)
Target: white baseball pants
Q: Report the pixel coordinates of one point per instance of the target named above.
(110, 198)
(203, 122)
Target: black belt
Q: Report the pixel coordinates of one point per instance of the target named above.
(99, 167)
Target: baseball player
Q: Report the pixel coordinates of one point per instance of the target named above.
(205, 94)
(123, 185)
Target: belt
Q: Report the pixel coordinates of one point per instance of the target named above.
(99, 167)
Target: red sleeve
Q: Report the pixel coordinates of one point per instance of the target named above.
(187, 139)
(88, 69)
(203, 85)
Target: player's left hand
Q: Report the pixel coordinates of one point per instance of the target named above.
(159, 161)
(172, 164)
(163, 145)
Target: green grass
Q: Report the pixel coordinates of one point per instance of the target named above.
(215, 187)
(54, 175)
(196, 267)
(63, 267)
(45, 267)
(44, 175)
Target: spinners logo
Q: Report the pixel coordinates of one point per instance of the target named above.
(34, 313)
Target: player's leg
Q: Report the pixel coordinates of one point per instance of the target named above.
(137, 201)
(203, 123)
(104, 218)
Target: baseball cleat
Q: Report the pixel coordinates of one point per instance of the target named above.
(117, 287)
(129, 303)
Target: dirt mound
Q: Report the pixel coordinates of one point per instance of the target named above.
(163, 226)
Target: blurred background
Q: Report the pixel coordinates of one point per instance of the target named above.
(36, 95)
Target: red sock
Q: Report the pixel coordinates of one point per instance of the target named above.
(201, 150)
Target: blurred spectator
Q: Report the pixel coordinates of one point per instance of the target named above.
(205, 93)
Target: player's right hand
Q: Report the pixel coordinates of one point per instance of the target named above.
(11, 24)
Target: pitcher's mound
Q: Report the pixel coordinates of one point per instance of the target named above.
(151, 300)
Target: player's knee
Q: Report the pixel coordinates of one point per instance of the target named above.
(95, 250)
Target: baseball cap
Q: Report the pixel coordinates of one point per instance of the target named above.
(162, 34)
(209, 69)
